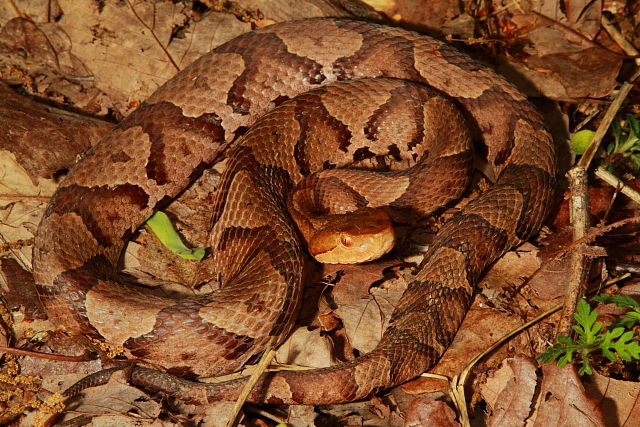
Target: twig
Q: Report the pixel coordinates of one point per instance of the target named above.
(260, 368)
(615, 34)
(153, 34)
(580, 259)
(20, 197)
(618, 184)
(595, 232)
(62, 358)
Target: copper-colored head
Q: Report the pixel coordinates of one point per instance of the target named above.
(353, 238)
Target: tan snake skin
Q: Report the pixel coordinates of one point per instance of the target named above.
(185, 126)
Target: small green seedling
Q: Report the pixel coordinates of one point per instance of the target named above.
(161, 226)
(616, 341)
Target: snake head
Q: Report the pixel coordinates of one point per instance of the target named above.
(353, 238)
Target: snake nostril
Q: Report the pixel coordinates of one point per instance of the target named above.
(346, 240)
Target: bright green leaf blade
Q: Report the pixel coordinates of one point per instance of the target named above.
(609, 355)
(623, 301)
(617, 132)
(563, 339)
(614, 333)
(161, 226)
(585, 369)
(562, 362)
(580, 140)
(634, 126)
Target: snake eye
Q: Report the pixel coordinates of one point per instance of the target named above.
(345, 240)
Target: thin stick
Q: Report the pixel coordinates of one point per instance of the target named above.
(615, 34)
(580, 259)
(59, 357)
(618, 184)
(260, 368)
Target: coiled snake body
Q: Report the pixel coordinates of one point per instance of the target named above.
(185, 125)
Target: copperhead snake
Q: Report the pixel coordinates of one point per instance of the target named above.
(325, 93)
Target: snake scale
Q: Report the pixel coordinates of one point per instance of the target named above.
(325, 93)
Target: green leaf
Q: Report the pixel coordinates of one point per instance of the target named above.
(586, 367)
(623, 346)
(161, 226)
(581, 140)
(609, 354)
(617, 132)
(634, 126)
(626, 348)
(622, 301)
(565, 340)
(615, 342)
(614, 333)
(567, 358)
(629, 145)
(587, 327)
(610, 147)
(629, 319)
(552, 353)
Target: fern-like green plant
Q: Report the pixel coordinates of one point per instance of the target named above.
(616, 341)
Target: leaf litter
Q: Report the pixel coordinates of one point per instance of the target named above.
(562, 53)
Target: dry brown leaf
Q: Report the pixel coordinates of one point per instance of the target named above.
(217, 413)
(510, 390)
(366, 319)
(563, 402)
(21, 203)
(128, 421)
(117, 397)
(511, 269)
(119, 402)
(55, 373)
(130, 47)
(424, 411)
(21, 292)
(152, 263)
(302, 415)
(363, 413)
(306, 348)
(355, 280)
(561, 56)
(619, 400)
(428, 14)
